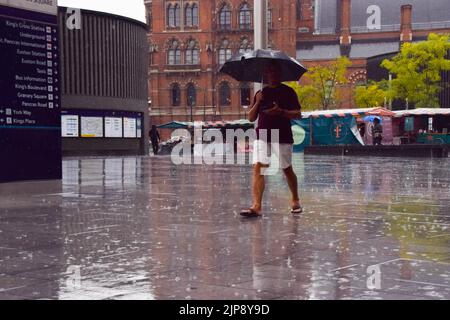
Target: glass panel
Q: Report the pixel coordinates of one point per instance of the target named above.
(175, 95)
(189, 56)
(177, 15)
(245, 95)
(171, 14)
(188, 16)
(177, 56)
(171, 57)
(195, 57)
(225, 95)
(195, 15)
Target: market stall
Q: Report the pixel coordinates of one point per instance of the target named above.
(425, 125)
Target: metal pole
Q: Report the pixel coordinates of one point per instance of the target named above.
(390, 88)
(261, 29)
(204, 105)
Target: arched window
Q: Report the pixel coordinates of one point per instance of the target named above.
(191, 95)
(188, 15)
(224, 52)
(225, 94)
(245, 94)
(225, 17)
(177, 15)
(191, 15)
(170, 16)
(192, 53)
(173, 15)
(245, 17)
(175, 95)
(245, 46)
(195, 14)
(174, 53)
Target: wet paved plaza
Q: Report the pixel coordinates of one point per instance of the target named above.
(143, 228)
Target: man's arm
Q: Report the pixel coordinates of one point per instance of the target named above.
(294, 111)
(253, 113)
(292, 114)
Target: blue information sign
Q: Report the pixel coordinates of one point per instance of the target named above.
(30, 123)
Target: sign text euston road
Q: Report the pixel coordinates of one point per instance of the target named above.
(29, 90)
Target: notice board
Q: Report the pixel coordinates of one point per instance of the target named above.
(30, 123)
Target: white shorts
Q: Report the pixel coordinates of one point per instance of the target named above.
(269, 154)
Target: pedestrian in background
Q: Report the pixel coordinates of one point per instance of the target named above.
(155, 139)
(377, 132)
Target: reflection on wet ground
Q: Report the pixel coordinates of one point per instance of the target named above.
(142, 228)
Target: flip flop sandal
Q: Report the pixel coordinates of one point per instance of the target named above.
(250, 213)
(296, 210)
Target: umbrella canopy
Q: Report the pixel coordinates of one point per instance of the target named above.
(175, 125)
(250, 66)
(372, 118)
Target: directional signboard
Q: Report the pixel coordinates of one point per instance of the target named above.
(30, 123)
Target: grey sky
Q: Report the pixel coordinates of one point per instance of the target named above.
(130, 8)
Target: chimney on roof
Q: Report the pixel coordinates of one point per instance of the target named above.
(406, 23)
(345, 38)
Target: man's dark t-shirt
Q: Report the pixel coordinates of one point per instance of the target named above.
(287, 100)
(154, 135)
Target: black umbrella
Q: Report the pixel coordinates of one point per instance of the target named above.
(250, 66)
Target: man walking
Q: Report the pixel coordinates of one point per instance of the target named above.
(155, 139)
(275, 106)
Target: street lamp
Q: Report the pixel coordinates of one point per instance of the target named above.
(390, 90)
(191, 105)
(191, 97)
(245, 111)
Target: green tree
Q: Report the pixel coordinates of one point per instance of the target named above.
(321, 89)
(417, 71)
(307, 96)
(369, 96)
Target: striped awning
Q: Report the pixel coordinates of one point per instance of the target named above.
(341, 113)
(241, 123)
(422, 112)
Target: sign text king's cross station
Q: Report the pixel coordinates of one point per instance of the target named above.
(30, 119)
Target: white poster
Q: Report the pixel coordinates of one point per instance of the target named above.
(139, 128)
(129, 127)
(44, 6)
(113, 127)
(92, 127)
(69, 126)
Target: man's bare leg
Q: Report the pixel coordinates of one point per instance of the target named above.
(258, 187)
(291, 178)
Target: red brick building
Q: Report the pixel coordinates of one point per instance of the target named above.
(190, 40)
